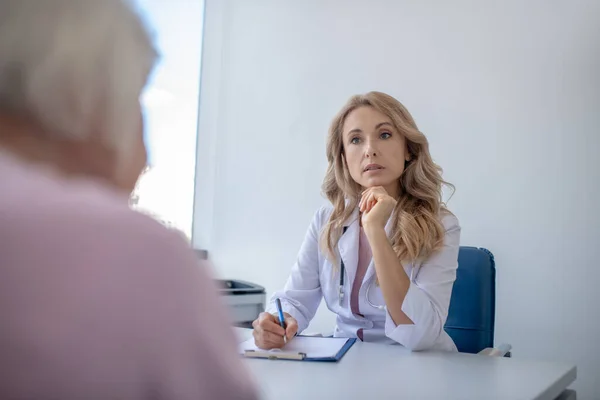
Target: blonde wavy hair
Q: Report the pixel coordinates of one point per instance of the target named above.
(416, 231)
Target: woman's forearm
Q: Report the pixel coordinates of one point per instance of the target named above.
(393, 281)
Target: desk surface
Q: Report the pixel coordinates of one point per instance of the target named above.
(383, 372)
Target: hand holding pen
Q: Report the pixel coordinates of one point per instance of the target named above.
(281, 318)
(273, 331)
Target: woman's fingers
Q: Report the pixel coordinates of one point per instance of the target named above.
(370, 197)
(259, 340)
(369, 202)
(374, 200)
(268, 334)
(362, 205)
(291, 327)
(270, 323)
(267, 340)
(272, 340)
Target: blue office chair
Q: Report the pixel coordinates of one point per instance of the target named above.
(471, 315)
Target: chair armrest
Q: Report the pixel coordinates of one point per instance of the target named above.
(502, 350)
(568, 394)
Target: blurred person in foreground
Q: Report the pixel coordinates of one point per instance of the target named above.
(96, 301)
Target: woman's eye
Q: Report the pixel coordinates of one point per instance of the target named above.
(386, 135)
(355, 140)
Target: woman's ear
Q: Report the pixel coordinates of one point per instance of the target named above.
(407, 155)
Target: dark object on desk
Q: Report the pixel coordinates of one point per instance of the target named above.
(231, 287)
(202, 254)
(245, 300)
(472, 310)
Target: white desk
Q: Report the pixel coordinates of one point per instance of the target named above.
(375, 371)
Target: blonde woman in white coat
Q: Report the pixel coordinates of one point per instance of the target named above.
(384, 254)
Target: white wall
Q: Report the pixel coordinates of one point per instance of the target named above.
(508, 94)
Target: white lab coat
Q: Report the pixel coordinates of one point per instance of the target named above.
(426, 303)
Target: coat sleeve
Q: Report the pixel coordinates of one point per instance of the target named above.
(302, 294)
(428, 297)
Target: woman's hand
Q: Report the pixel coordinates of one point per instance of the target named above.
(268, 334)
(376, 206)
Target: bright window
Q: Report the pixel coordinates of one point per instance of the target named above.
(170, 103)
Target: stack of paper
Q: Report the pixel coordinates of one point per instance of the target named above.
(314, 348)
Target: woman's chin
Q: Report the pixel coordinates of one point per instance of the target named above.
(376, 182)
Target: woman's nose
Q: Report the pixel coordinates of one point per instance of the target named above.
(370, 150)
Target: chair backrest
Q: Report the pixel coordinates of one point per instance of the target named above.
(471, 315)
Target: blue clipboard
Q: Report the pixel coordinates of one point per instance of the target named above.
(300, 356)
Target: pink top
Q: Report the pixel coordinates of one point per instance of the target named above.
(100, 302)
(364, 259)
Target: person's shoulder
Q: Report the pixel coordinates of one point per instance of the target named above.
(324, 211)
(449, 220)
(97, 232)
(79, 214)
(120, 226)
(322, 214)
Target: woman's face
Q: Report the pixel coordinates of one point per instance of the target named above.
(375, 151)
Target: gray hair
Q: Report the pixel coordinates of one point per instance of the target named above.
(75, 67)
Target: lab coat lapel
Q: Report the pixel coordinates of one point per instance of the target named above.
(348, 248)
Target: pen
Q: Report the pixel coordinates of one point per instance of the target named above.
(281, 319)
